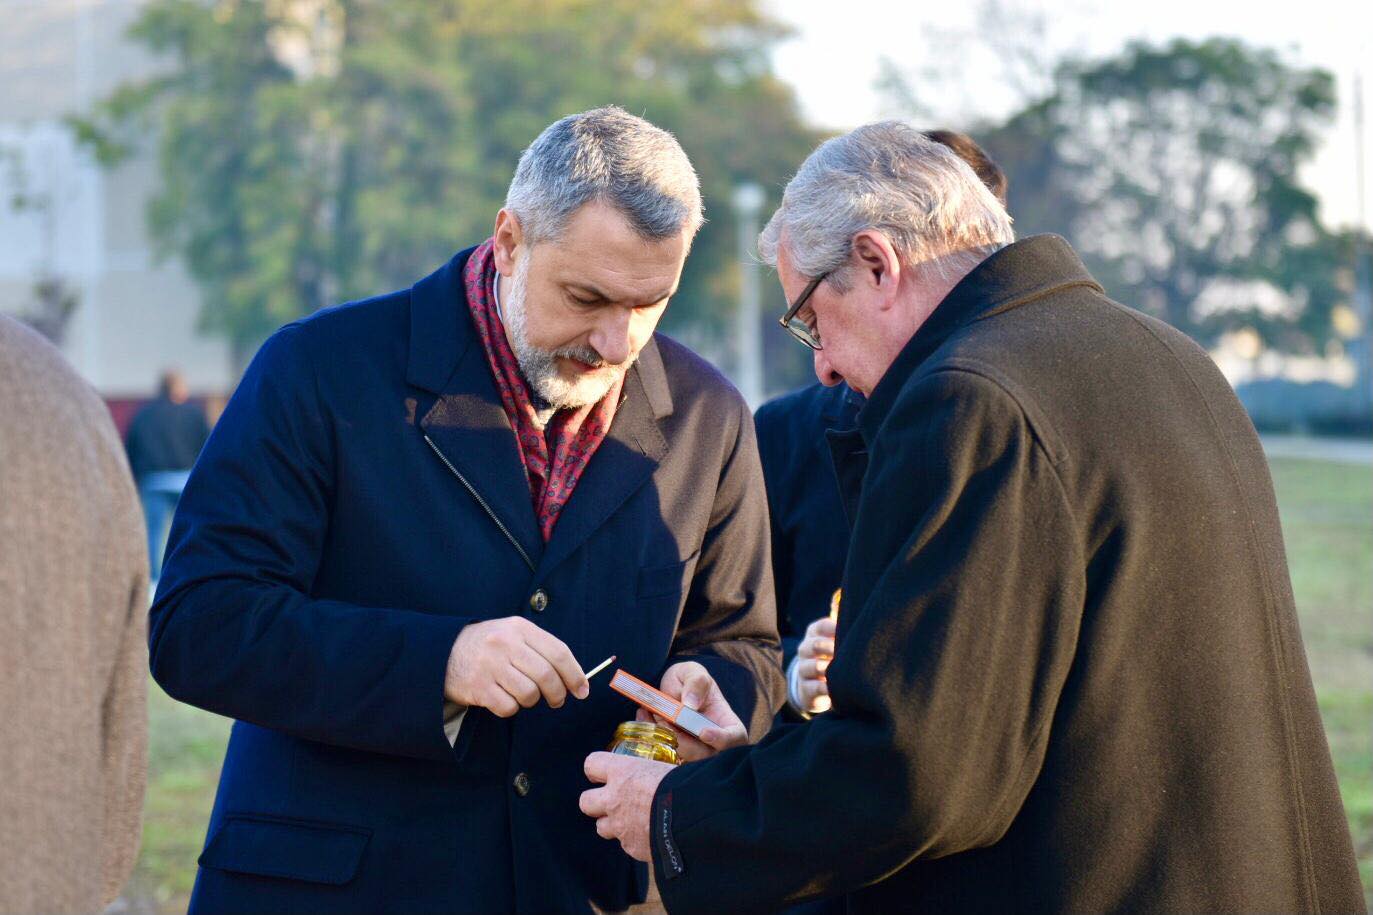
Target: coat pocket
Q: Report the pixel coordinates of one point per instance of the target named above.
(293, 849)
(662, 581)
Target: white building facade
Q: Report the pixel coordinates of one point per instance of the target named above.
(63, 216)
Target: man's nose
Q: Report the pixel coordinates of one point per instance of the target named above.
(610, 337)
(824, 371)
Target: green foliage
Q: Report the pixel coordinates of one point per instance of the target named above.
(314, 151)
(1173, 169)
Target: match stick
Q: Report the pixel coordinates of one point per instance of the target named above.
(599, 667)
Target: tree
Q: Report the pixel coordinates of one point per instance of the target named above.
(314, 151)
(54, 299)
(1174, 170)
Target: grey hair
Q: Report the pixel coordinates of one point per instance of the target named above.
(889, 177)
(610, 155)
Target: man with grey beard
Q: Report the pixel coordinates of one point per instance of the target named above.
(424, 516)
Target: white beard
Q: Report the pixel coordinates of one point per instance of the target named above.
(540, 366)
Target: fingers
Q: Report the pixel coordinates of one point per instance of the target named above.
(697, 687)
(536, 667)
(691, 684)
(809, 689)
(560, 657)
(674, 678)
(814, 695)
(604, 829)
(595, 802)
(816, 647)
(812, 668)
(824, 627)
(498, 702)
(819, 639)
(597, 766)
(723, 738)
(522, 689)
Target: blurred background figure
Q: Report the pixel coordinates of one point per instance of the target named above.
(164, 439)
(73, 656)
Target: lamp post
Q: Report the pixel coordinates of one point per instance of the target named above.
(1363, 266)
(748, 344)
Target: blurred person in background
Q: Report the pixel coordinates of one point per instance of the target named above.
(1068, 672)
(73, 660)
(163, 441)
(810, 531)
(423, 516)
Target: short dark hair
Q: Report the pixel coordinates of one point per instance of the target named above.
(170, 380)
(967, 149)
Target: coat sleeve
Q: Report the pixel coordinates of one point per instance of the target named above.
(729, 622)
(234, 629)
(944, 682)
(124, 707)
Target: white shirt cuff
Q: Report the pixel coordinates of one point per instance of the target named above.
(793, 688)
(453, 714)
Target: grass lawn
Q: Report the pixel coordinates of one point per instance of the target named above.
(1327, 522)
(1327, 512)
(185, 749)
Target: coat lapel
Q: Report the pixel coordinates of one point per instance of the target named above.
(624, 462)
(466, 422)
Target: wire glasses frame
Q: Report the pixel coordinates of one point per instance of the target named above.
(803, 330)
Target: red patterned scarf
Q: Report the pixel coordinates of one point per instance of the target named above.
(554, 457)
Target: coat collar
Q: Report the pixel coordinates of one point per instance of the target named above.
(468, 425)
(440, 330)
(1016, 275)
(839, 406)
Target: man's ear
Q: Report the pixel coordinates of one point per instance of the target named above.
(877, 266)
(508, 238)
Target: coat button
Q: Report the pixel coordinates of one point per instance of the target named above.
(538, 601)
(521, 784)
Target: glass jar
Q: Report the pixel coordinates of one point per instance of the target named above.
(645, 740)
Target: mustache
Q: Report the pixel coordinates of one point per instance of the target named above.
(584, 354)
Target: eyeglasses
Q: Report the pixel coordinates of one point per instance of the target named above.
(803, 330)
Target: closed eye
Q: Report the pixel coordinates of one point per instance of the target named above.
(584, 300)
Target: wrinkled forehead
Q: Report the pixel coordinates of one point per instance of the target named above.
(601, 253)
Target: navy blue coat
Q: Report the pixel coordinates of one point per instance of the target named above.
(810, 533)
(326, 554)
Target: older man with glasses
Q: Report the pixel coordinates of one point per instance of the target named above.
(810, 527)
(1068, 673)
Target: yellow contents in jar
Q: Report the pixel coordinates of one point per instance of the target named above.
(645, 740)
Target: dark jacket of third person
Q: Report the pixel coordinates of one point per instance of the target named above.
(810, 534)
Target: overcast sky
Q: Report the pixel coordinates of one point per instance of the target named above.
(833, 59)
